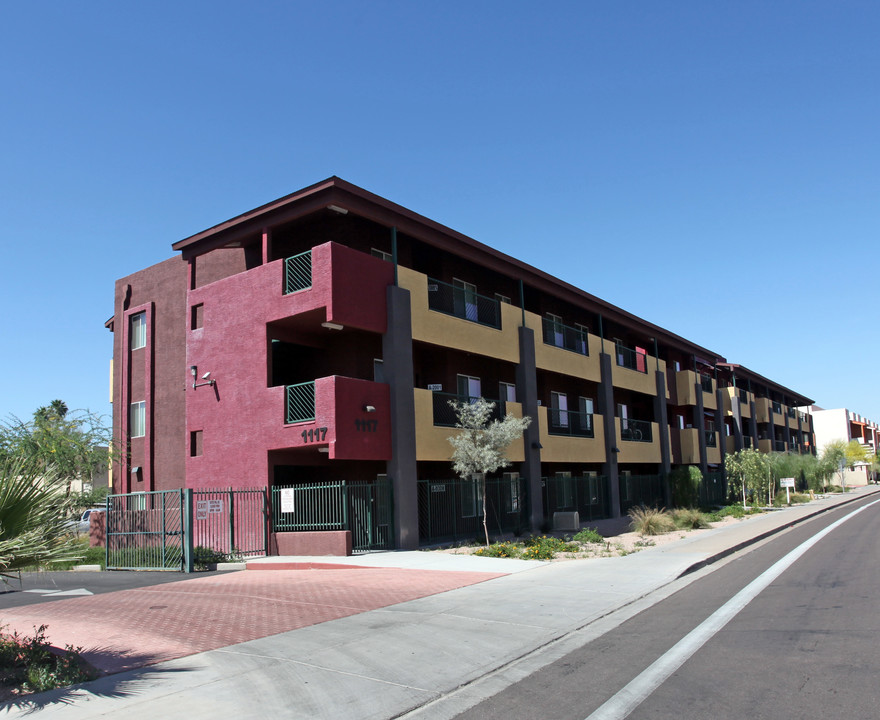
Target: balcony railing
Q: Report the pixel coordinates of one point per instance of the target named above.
(779, 445)
(747, 441)
(744, 396)
(711, 438)
(298, 272)
(568, 422)
(463, 303)
(777, 408)
(565, 337)
(300, 403)
(792, 413)
(444, 413)
(636, 430)
(706, 383)
(631, 358)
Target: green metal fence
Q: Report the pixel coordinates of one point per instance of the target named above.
(587, 494)
(363, 507)
(300, 403)
(452, 510)
(645, 490)
(158, 530)
(298, 272)
(711, 490)
(147, 531)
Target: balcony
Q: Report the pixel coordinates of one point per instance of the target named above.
(636, 430)
(777, 408)
(565, 337)
(464, 303)
(711, 438)
(707, 383)
(567, 422)
(345, 417)
(630, 358)
(762, 410)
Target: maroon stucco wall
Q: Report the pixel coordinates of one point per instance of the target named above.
(241, 419)
(155, 374)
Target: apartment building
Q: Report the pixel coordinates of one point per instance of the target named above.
(319, 339)
(845, 425)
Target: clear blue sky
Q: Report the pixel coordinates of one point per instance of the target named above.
(713, 167)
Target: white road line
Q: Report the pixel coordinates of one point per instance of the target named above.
(637, 690)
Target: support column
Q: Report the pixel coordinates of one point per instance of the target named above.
(754, 410)
(736, 414)
(397, 358)
(527, 394)
(700, 424)
(719, 423)
(662, 420)
(605, 402)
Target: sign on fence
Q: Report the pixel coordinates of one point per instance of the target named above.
(287, 500)
(206, 507)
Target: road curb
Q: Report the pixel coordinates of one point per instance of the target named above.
(767, 533)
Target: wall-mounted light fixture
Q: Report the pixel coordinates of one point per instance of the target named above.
(369, 408)
(615, 450)
(537, 446)
(337, 209)
(323, 449)
(194, 371)
(332, 325)
(136, 469)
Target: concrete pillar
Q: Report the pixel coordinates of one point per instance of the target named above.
(397, 358)
(527, 394)
(605, 401)
(661, 417)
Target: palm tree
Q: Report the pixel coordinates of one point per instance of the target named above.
(33, 516)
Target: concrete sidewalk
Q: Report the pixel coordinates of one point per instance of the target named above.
(425, 658)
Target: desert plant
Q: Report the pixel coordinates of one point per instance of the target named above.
(650, 521)
(589, 535)
(690, 519)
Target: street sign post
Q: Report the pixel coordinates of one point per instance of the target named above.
(787, 483)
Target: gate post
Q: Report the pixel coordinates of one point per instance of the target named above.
(186, 522)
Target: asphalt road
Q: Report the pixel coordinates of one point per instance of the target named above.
(36, 587)
(805, 646)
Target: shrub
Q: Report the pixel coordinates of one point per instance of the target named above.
(30, 664)
(499, 550)
(685, 482)
(690, 519)
(795, 498)
(204, 556)
(650, 521)
(542, 547)
(589, 535)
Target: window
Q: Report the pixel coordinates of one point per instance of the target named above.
(580, 341)
(468, 388)
(381, 254)
(564, 490)
(585, 406)
(506, 392)
(511, 481)
(195, 443)
(465, 300)
(622, 413)
(197, 316)
(558, 409)
(137, 417)
(138, 334)
(472, 496)
(555, 330)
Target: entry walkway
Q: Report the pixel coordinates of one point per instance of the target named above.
(391, 634)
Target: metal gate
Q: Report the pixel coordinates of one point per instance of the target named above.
(159, 530)
(147, 531)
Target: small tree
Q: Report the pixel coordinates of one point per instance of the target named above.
(73, 443)
(748, 473)
(480, 446)
(685, 481)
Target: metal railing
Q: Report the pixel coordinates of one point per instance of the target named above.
(779, 445)
(298, 272)
(232, 522)
(452, 510)
(711, 438)
(444, 413)
(711, 490)
(463, 303)
(777, 407)
(747, 441)
(565, 337)
(792, 413)
(589, 495)
(568, 422)
(744, 396)
(636, 430)
(630, 358)
(706, 383)
(300, 403)
(363, 507)
(645, 490)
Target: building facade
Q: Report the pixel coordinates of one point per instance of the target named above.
(320, 338)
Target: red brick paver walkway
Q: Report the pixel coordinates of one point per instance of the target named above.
(131, 628)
